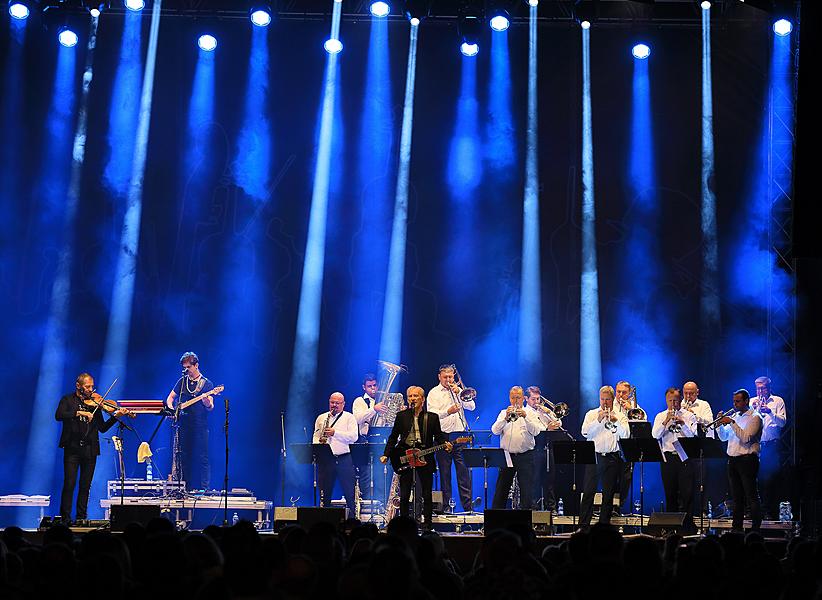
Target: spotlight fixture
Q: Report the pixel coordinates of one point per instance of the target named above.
(135, 5)
(585, 24)
(469, 49)
(705, 5)
(260, 15)
(380, 9)
(207, 42)
(67, 37)
(469, 25)
(641, 51)
(585, 11)
(416, 9)
(498, 16)
(533, 2)
(19, 10)
(782, 27)
(95, 7)
(333, 46)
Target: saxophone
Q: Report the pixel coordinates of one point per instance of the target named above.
(393, 503)
(323, 439)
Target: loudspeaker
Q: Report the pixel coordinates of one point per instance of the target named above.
(308, 516)
(436, 497)
(514, 520)
(662, 524)
(122, 515)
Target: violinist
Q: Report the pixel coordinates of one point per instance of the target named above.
(81, 413)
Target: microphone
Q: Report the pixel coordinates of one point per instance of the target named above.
(184, 370)
(305, 432)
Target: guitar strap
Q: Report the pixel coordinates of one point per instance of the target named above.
(425, 428)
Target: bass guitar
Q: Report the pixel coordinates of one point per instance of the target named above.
(212, 392)
(415, 457)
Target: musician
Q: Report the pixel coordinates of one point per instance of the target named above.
(416, 428)
(444, 400)
(742, 429)
(190, 461)
(517, 429)
(676, 469)
(700, 408)
(544, 469)
(625, 401)
(336, 428)
(369, 413)
(774, 416)
(79, 439)
(604, 426)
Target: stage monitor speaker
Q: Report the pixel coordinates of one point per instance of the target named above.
(436, 497)
(514, 520)
(308, 516)
(662, 524)
(122, 515)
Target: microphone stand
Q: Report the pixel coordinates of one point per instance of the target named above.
(225, 480)
(284, 454)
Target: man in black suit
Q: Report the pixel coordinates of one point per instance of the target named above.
(80, 442)
(415, 428)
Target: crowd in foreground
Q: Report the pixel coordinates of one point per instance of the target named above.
(360, 563)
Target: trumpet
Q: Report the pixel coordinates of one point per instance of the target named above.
(609, 424)
(674, 427)
(558, 410)
(719, 416)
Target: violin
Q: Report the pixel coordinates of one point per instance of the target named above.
(109, 406)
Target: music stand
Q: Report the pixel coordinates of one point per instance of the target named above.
(377, 437)
(700, 448)
(361, 456)
(312, 454)
(641, 450)
(484, 457)
(574, 452)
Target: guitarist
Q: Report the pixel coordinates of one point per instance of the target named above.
(190, 440)
(415, 428)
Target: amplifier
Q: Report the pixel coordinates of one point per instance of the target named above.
(143, 487)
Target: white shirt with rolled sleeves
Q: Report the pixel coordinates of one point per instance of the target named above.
(516, 436)
(774, 421)
(543, 417)
(742, 434)
(704, 414)
(668, 439)
(604, 439)
(439, 401)
(345, 431)
(363, 409)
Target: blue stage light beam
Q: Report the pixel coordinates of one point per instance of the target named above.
(333, 45)
(590, 349)
(39, 467)
(301, 387)
(464, 166)
(125, 107)
(530, 299)
(252, 164)
(391, 335)
(499, 147)
(19, 11)
(122, 296)
(709, 298)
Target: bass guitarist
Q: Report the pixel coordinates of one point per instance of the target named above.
(414, 438)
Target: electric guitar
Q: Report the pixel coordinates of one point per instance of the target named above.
(212, 392)
(414, 457)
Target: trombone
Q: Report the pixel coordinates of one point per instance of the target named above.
(558, 410)
(466, 394)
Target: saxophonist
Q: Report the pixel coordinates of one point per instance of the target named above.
(445, 401)
(338, 429)
(416, 428)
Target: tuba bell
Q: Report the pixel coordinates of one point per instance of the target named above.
(394, 402)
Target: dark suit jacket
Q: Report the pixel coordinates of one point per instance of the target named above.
(75, 430)
(403, 425)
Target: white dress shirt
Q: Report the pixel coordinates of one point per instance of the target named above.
(516, 436)
(345, 431)
(774, 421)
(543, 417)
(604, 439)
(742, 434)
(668, 439)
(363, 409)
(704, 414)
(439, 401)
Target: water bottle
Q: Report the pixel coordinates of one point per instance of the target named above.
(637, 507)
(451, 504)
(235, 519)
(710, 514)
(785, 513)
(560, 508)
(149, 472)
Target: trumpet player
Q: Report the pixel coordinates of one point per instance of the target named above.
(445, 400)
(774, 416)
(338, 429)
(700, 408)
(604, 426)
(742, 429)
(517, 429)
(544, 471)
(676, 469)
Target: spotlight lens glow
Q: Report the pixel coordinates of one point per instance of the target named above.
(415, 21)
(469, 49)
(782, 27)
(333, 46)
(533, 2)
(585, 24)
(207, 42)
(380, 9)
(135, 4)
(67, 37)
(641, 51)
(94, 12)
(705, 5)
(261, 18)
(499, 23)
(19, 11)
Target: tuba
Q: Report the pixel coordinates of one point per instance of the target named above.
(394, 402)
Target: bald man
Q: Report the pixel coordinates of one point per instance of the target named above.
(338, 429)
(700, 408)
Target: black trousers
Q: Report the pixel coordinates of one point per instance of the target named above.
(84, 460)
(328, 472)
(626, 483)
(742, 478)
(678, 482)
(425, 484)
(444, 462)
(524, 470)
(607, 470)
(193, 440)
(772, 483)
(545, 475)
